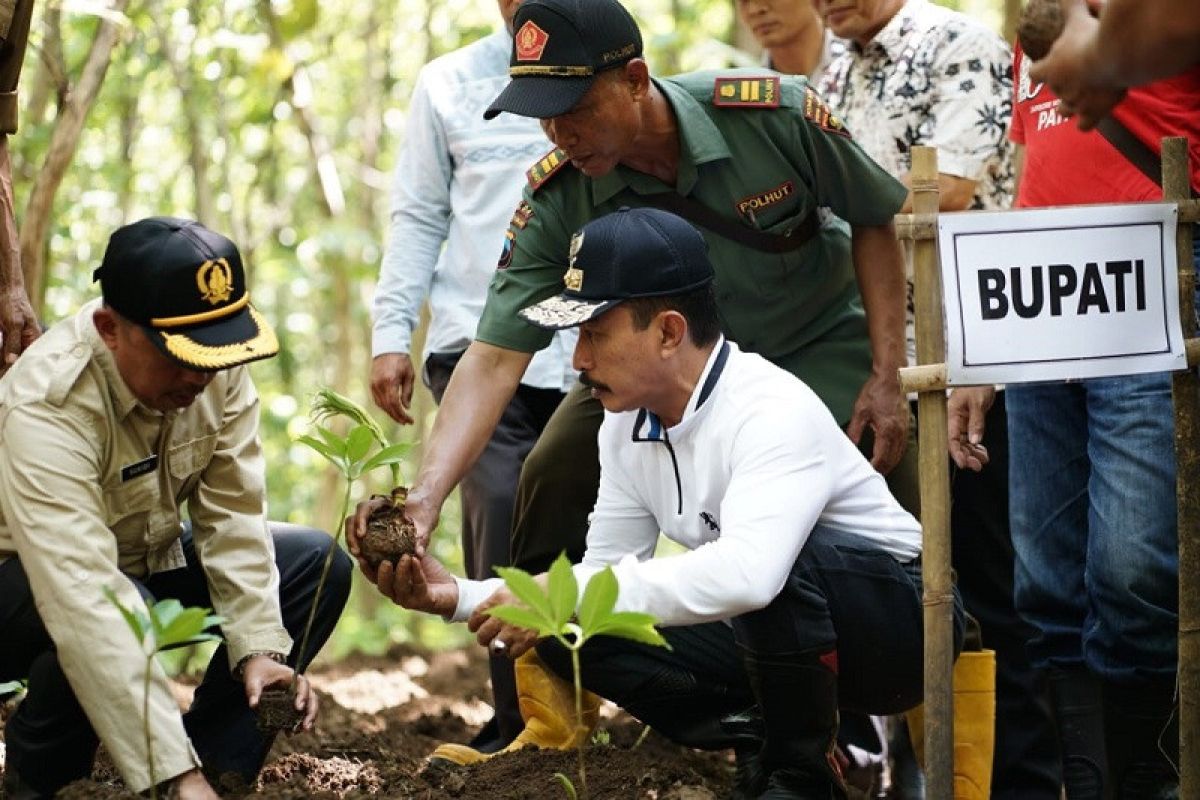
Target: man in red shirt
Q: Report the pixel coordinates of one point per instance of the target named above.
(1092, 484)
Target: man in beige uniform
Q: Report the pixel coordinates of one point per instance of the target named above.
(109, 422)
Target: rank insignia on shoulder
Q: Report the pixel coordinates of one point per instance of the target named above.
(737, 92)
(817, 112)
(521, 216)
(546, 167)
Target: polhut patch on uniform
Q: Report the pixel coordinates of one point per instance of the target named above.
(506, 252)
(817, 112)
(546, 166)
(747, 206)
(521, 216)
(746, 92)
(139, 468)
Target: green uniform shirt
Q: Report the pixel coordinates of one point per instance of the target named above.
(767, 166)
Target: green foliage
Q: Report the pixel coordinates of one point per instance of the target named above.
(551, 612)
(349, 454)
(166, 624)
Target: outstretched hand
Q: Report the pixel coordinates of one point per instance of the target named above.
(418, 584)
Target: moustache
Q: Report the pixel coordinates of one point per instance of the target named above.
(587, 381)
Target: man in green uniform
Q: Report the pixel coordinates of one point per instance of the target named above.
(797, 218)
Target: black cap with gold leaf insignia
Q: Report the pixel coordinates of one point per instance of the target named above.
(185, 285)
(559, 46)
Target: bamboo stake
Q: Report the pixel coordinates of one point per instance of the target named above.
(1185, 388)
(935, 493)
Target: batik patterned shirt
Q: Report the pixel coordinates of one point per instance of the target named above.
(937, 78)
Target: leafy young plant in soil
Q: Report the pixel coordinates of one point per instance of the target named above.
(165, 625)
(552, 612)
(351, 456)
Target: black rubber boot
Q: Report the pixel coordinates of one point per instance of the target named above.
(1142, 731)
(1077, 699)
(797, 694)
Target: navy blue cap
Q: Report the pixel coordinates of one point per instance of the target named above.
(559, 46)
(634, 252)
(185, 285)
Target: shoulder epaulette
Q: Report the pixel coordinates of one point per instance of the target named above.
(816, 112)
(738, 91)
(545, 168)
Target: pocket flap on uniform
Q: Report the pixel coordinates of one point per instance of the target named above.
(192, 456)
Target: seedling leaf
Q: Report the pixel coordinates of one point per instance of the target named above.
(527, 590)
(563, 590)
(358, 443)
(335, 443)
(392, 454)
(599, 597)
(328, 403)
(188, 627)
(324, 450)
(137, 623)
(631, 625)
(523, 618)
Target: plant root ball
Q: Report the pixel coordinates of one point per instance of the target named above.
(389, 535)
(1040, 24)
(277, 711)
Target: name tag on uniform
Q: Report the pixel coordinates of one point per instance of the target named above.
(138, 468)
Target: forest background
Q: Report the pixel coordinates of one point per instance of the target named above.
(277, 123)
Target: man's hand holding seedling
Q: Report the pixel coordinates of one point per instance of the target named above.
(260, 672)
(500, 636)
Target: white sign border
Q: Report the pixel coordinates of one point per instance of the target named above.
(951, 226)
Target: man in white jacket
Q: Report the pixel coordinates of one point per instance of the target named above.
(801, 590)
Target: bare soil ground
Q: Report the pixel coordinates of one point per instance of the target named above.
(380, 717)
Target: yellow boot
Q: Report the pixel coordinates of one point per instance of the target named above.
(547, 705)
(974, 725)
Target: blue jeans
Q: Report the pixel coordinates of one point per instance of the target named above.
(1093, 515)
(1092, 501)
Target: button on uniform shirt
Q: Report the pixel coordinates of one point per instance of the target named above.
(91, 482)
(457, 182)
(937, 78)
(767, 168)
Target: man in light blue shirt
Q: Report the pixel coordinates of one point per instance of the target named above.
(457, 182)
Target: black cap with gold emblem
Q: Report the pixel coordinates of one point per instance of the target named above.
(185, 285)
(559, 46)
(633, 252)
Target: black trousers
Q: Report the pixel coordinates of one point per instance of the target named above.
(488, 491)
(49, 739)
(843, 595)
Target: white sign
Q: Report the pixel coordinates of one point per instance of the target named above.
(1060, 293)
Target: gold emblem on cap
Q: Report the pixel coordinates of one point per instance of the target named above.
(530, 42)
(574, 276)
(215, 281)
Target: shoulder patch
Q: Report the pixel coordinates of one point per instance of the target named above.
(816, 112)
(752, 92)
(546, 167)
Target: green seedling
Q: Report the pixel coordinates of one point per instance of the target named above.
(350, 457)
(552, 612)
(163, 626)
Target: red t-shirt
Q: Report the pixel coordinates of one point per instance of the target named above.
(1064, 166)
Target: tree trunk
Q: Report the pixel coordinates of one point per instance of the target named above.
(1012, 13)
(63, 141)
(185, 80)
